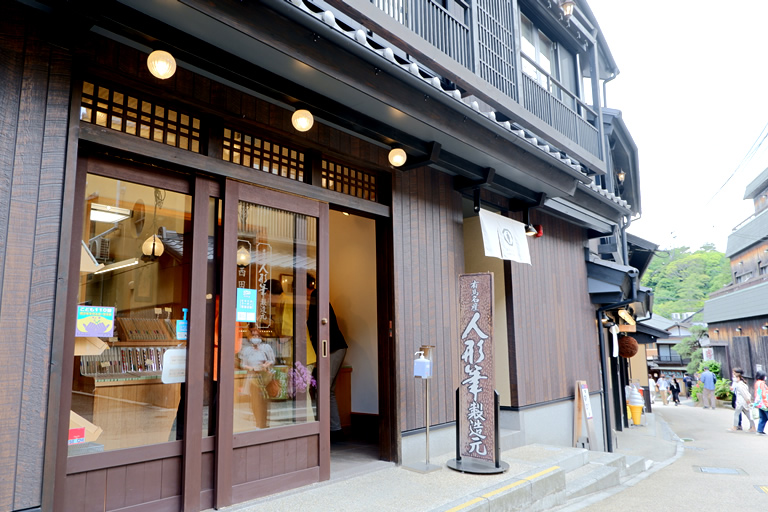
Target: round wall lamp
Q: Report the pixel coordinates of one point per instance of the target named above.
(302, 120)
(161, 64)
(397, 157)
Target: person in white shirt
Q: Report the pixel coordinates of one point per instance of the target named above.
(663, 384)
(652, 388)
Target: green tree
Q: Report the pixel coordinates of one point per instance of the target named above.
(690, 347)
(682, 280)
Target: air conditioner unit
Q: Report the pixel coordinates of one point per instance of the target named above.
(100, 248)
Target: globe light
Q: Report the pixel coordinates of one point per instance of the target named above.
(302, 120)
(161, 64)
(397, 157)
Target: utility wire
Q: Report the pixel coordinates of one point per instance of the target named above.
(753, 150)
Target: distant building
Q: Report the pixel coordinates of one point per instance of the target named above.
(737, 314)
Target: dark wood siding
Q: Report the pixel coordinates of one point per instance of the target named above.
(155, 484)
(34, 108)
(555, 339)
(741, 355)
(428, 256)
(747, 354)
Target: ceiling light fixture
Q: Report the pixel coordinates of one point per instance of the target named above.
(243, 256)
(161, 64)
(120, 264)
(106, 213)
(397, 157)
(621, 176)
(302, 120)
(153, 246)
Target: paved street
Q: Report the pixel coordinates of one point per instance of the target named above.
(681, 485)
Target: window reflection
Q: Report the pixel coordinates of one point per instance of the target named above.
(274, 361)
(132, 317)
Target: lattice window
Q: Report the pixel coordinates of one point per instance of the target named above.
(258, 153)
(496, 48)
(344, 179)
(104, 106)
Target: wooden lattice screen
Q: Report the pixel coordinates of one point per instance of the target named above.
(496, 47)
(110, 108)
(259, 153)
(342, 178)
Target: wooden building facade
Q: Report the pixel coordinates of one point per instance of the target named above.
(737, 315)
(158, 234)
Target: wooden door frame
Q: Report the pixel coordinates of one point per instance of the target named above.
(190, 449)
(226, 440)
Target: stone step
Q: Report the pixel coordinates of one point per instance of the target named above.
(633, 465)
(534, 490)
(591, 478)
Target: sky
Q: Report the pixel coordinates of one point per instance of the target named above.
(693, 91)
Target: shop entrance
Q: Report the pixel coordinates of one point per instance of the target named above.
(194, 381)
(353, 288)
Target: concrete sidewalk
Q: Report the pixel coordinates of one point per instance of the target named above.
(536, 479)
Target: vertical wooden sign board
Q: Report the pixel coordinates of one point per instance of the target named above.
(582, 412)
(477, 431)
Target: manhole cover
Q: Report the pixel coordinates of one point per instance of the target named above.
(720, 471)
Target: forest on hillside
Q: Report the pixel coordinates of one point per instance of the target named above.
(682, 279)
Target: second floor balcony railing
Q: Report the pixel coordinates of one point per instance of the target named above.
(429, 19)
(544, 102)
(672, 359)
(447, 25)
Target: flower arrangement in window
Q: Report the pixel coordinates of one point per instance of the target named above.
(300, 380)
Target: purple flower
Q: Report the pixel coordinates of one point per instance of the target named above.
(300, 379)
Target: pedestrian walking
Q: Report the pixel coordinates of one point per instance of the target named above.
(761, 401)
(674, 387)
(708, 392)
(743, 400)
(663, 384)
(652, 388)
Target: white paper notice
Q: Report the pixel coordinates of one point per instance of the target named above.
(504, 238)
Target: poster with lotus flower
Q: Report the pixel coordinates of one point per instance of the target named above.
(97, 321)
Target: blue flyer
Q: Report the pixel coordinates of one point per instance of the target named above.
(246, 305)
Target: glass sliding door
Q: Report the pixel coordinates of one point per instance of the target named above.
(274, 381)
(271, 389)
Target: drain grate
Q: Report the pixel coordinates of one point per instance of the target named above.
(687, 439)
(720, 471)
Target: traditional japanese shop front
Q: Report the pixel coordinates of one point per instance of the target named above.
(196, 241)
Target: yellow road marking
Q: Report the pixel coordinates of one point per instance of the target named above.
(465, 505)
(764, 488)
(502, 489)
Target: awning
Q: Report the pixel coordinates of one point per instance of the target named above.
(609, 282)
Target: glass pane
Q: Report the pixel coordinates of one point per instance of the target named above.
(132, 300)
(274, 385)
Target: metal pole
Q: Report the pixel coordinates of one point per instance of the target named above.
(427, 407)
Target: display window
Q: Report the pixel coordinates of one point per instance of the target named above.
(132, 317)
